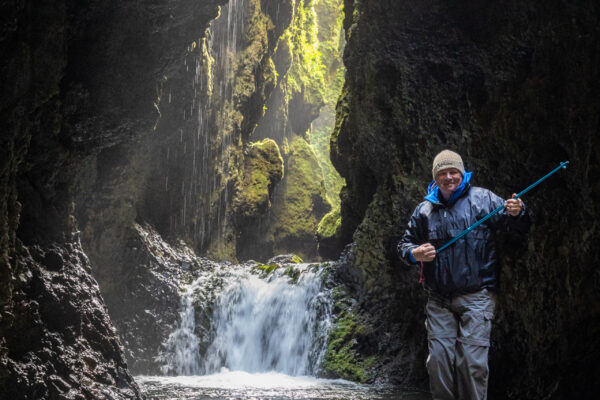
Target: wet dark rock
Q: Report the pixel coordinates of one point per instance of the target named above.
(58, 340)
(285, 259)
(147, 308)
(77, 78)
(513, 88)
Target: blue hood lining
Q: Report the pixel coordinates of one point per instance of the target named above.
(433, 191)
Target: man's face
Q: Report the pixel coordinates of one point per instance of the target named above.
(448, 180)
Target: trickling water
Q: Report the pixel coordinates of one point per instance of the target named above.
(215, 83)
(208, 135)
(183, 345)
(258, 324)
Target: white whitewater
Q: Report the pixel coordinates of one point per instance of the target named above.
(258, 323)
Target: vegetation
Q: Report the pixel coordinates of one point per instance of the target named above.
(343, 358)
(331, 46)
(303, 194)
(266, 269)
(263, 168)
(306, 74)
(330, 224)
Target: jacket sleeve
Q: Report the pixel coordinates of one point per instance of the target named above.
(411, 239)
(518, 225)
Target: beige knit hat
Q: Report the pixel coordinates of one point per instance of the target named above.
(447, 159)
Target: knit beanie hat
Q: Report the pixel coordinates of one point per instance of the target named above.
(447, 159)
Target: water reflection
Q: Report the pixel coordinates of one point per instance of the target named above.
(265, 386)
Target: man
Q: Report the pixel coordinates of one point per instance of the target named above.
(461, 280)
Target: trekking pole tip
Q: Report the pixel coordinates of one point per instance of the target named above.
(564, 164)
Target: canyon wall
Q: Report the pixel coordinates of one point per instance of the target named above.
(77, 78)
(513, 87)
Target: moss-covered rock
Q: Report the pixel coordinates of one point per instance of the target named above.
(298, 204)
(328, 234)
(331, 46)
(266, 269)
(346, 356)
(330, 224)
(263, 168)
(303, 194)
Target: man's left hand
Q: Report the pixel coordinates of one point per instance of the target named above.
(513, 206)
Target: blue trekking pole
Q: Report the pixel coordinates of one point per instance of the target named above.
(562, 165)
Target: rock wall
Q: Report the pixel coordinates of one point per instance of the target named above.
(513, 87)
(298, 116)
(72, 85)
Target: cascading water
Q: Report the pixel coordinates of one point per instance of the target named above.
(271, 325)
(258, 324)
(251, 333)
(247, 333)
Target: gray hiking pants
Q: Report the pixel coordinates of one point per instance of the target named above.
(458, 331)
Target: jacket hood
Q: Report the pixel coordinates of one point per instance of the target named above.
(433, 191)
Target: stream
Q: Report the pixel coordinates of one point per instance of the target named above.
(265, 386)
(252, 332)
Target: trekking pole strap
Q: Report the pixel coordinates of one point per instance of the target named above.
(497, 210)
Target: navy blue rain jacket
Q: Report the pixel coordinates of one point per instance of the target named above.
(469, 264)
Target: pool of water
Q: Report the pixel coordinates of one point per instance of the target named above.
(230, 385)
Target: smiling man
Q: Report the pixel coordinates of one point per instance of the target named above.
(461, 281)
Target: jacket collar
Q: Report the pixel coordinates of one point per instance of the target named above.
(434, 196)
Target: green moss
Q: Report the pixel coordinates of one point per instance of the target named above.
(263, 168)
(266, 269)
(293, 273)
(306, 74)
(342, 359)
(296, 259)
(330, 224)
(303, 195)
(307, 61)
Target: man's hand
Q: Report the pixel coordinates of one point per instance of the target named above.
(425, 252)
(513, 206)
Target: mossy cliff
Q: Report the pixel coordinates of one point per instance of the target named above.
(308, 64)
(188, 178)
(348, 356)
(513, 87)
(293, 226)
(331, 46)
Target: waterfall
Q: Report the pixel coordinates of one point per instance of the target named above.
(256, 322)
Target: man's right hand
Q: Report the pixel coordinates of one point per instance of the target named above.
(425, 252)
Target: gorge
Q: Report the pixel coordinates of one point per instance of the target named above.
(150, 149)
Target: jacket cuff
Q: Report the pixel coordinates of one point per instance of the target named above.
(411, 256)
